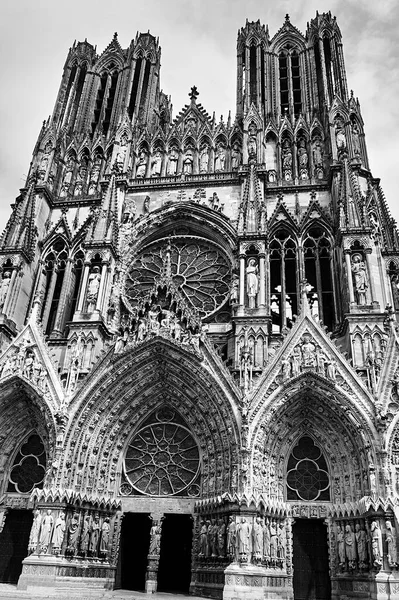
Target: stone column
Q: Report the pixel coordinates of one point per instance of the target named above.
(101, 288)
(262, 283)
(151, 582)
(50, 293)
(242, 279)
(10, 294)
(83, 286)
(57, 330)
(371, 278)
(350, 280)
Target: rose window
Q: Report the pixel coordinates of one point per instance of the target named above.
(199, 269)
(162, 459)
(307, 474)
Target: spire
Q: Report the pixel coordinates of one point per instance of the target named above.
(252, 214)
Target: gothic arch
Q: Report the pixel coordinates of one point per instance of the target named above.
(125, 390)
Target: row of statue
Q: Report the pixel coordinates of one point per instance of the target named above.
(353, 546)
(260, 541)
(307, 356)
(86, 536)
(158, 321)
(24, 361)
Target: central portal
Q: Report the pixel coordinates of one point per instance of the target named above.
(311, 575)
(174, 572)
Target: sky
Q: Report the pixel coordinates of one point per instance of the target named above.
(198, 40)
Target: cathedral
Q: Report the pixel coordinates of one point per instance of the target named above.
(199, 360)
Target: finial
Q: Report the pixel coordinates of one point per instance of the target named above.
(287, 17)
(193, 95)
(115, 35)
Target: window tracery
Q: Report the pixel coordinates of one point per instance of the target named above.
(29, 466)
(307, 473)
(283, 280)
(318, 273)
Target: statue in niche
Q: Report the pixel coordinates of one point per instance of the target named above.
(341, 546)
(85, 539)
(231, 537)
(252, 282)
(243, 539)
(221, 535)
(34, 532)
(155, 539)
(361, 545)
(73, 535)
(46, 531)
(121, 155)
(58, 533)
(104, 540)
(340, 137)
(156, 164)
(287, 160)
(142, 164)
(42, 169)
(95, 175)
(258, 539)
(281, 541)
(95, 536)
(308, 352)
(234, 290)
(392, 552)
(273, 540)
(4, 287)
(266, 541)
(220, 158)
(146, 205)
(188, 162)
(331, 369)
(204, 159)
(376, 543)
(355, 138)
(172, 164)
(360, 280)
(350, 546)
(93, 289)
(303, 159)
(129, 211)
(66, 183)
(235, 156)
(203, 539)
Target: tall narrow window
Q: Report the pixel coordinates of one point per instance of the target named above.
(318, 256)
(253, 83)
(135, 85)
(144, 89)
(296, 83)
(329, 67)
(78, 94)
(71, 79)
(110, 103)
(319, 74)
(283, 280)
(99, 102)
(284, 90)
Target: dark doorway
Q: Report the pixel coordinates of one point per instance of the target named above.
(311, 577)
(134, 545)
(174, 572)
(14, 544)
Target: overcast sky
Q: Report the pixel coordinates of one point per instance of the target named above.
(198, 41)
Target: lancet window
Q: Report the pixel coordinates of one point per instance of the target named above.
(283, 280)
(318, 273)
(290, 82)
(54, 271)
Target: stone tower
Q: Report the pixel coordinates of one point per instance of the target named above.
(199, 341)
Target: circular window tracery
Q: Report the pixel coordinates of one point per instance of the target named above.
(307, 474)
(197, 267)
(163, 458)
(29, 466)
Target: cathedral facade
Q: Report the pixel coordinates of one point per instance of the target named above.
(199, 359)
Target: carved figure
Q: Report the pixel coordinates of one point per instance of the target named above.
(204, 159)
(340, 137)
(243, 539)
(303, 159)
(95, 174)
(350, 546)
(4, 287)
(95, 536)
(231, 537)
(203, 539)
(172, 164)
(46, 531)
(85, 539)
(392, 552)
(188, 162)
(359, 278)
(257, 534)
(142, 164)
(281, 541)
(156, 164)
(221, 534)
(252, 282)
(266, 540)
(220, 158)
(155, 539)
(286, 368)
(361, 545)
(341, 546)
(376, 543)
(34, 532)
(308, 353)
(235, 157)
(146, 205)
(234, 289)
(73, 535)
(355, 138)
(58, 533)
(273, 540)
(104, 541)
(331, 369)
(93, 288)
(287, 160)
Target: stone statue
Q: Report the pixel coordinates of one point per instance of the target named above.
(252, 282)
(95, 174)
(222, 538)
(156, 164)
(34, 532)
(235, 156)
(104, 540)
(220, 158)
(392, 552)
(142, 164)
(234, 290)
(303, 159)
(172, 164)
(341, 546)
(340, 137)
(273, 540)
(95, 536)
(58, 533)
(361, 545)
(46, 531)
(281, 541)
(266, 540)
(155, 539)
(231, 537)
(85, 539)
(376, 543)
(355, 138)
(203, 539)
(73, 535)
(257, 534)
(120, 157)
(359, 278)
(4, 287)
(350, 546)
(204, 159)
(243, 539)
(287, 160)
(188, 162)
(146, 205)
(93, 289)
